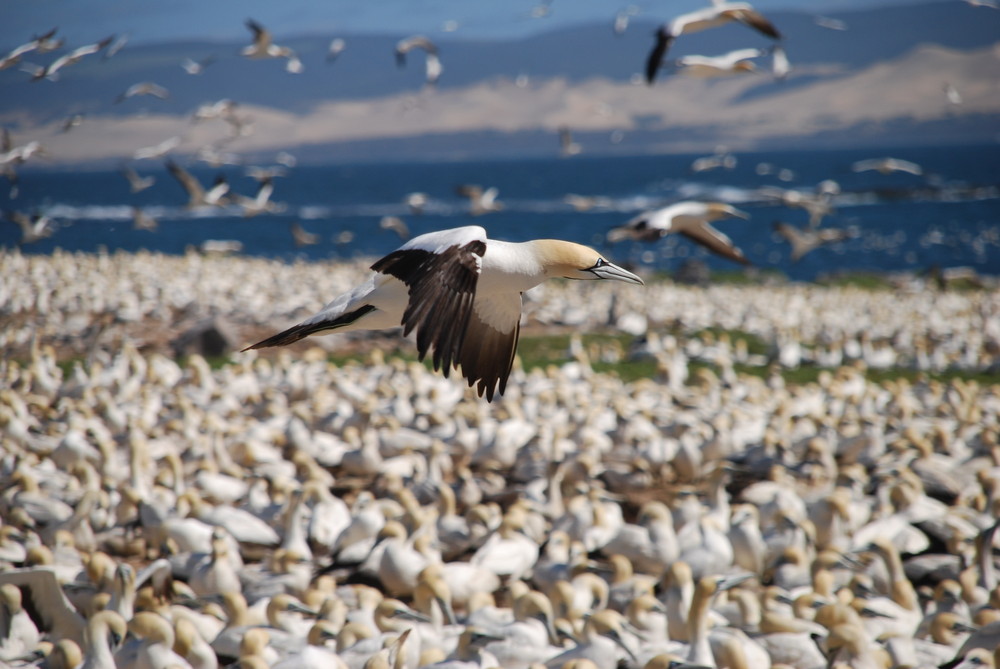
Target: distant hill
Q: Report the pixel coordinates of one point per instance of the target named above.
(577, 56)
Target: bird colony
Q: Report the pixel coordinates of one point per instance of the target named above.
(283, 510)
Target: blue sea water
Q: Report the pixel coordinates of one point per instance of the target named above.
(949, 216)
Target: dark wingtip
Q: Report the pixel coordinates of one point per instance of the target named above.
(656, 56)
(289, 336)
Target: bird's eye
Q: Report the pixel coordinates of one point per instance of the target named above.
(601, 262)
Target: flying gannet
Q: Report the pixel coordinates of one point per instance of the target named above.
(432, 66)
(710, 17)
(887, 166)
(807, 240)
(263, 47)
(51, 70)
(461, 293)
(690, 218)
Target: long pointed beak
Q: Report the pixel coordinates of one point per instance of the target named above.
(613, 272)
(732, 581)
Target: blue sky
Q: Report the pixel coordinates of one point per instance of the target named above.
(158, 20)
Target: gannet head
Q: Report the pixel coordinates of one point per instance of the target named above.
(575, 261)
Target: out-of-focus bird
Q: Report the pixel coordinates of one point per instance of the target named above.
(261, 201)
(337, 46)
(461, 293)
(51, 71)
(195, 67)
(689, 218)
(952, 94)
(157, 150)
(13, 57)
(739, 61)
(397, 225)
(780, 65)
(416, 201)
(34, 228)
(807, 240)
(830, 23)
(117, 45)
(480, 201)
(433, 67)
(197, 195)
(263, 47)
(143, 221)
(721, 159)
(143, 88)
(72, 122)
(622, 18)
(137, 183)
(716, 15)
(567, 147)
(301, 236)
(887, 166)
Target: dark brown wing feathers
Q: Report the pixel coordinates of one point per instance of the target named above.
(442, 289)
(490, 361)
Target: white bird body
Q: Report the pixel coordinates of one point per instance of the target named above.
(105, 631)
(462, 295)
(20, 634)
(734, 62)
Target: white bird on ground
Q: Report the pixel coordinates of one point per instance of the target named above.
(57, 615)
(651, 544)
(18, 634)
(602, 642)
(716, 15)
(461, 293)
(104, 634)
(690, 218)
(155, 647)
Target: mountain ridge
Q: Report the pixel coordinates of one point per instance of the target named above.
(589, 77)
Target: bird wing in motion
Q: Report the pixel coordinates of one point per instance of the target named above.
(442, 288)
(710, 237)
(494, 326)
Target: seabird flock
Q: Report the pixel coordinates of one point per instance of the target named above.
(284, 511)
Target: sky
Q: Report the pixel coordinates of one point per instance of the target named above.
(81, 21)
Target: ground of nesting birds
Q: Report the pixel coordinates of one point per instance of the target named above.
(305, 509)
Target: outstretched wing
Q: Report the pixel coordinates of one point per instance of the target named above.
(442, 288)
(487, 355)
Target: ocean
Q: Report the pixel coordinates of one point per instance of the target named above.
(947, 217)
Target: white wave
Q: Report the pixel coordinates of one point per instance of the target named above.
(92, 212)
